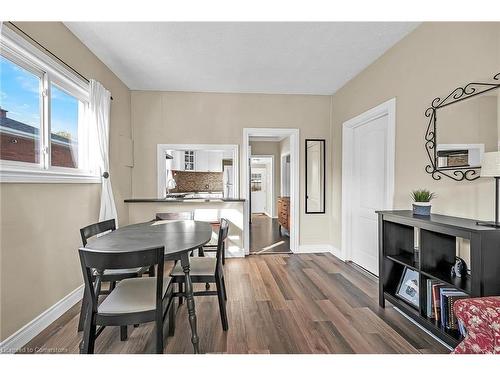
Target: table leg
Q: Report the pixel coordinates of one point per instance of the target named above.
(190, 302)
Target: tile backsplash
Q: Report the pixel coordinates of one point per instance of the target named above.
(197, 181)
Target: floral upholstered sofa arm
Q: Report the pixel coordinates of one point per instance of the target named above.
(481, 319)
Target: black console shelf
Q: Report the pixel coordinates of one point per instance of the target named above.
(437, 250)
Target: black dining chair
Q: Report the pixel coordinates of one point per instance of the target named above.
(212, 245)
(207, 270)
(132, 301)
(113, 275)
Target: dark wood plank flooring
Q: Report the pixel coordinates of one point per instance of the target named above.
(265, 237)
(305, 303)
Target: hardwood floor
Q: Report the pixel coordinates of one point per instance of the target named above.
(305, 303)
(265, 237)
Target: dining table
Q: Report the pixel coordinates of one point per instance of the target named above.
(178, 238)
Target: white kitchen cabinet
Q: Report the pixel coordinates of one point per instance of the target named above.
(201, 161)
(178, 160)
(215, 161)
(204, 161)
(208, 161)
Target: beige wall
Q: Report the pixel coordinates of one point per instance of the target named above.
(175, 117)
(271, 148)
(39, 222)
(429, 62)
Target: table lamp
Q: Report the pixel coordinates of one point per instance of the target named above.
(491, 168)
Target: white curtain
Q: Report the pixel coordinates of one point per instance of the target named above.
(100, 104)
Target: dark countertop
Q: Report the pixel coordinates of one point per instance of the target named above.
(183, 200)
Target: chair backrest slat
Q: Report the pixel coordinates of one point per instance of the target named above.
(94, 229)
(221, 241)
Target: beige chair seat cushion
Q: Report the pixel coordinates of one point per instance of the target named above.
(200, 266)
(132, 295)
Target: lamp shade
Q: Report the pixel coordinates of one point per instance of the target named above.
(491, 164)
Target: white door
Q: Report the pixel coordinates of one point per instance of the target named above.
(258, 184)
(368, 190)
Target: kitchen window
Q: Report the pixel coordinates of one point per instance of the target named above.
(189, 160)
(43, 130)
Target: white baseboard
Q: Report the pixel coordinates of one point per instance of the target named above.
(320, 248)
(25, 334)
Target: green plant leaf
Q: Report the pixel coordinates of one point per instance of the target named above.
(422, 195)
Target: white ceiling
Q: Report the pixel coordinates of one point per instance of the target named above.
(246, 57)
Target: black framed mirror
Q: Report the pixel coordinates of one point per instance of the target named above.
(315, 176)
(463, 126)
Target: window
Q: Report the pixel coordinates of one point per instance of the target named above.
(20, 109)
(43, 132)
(65, 115)
(256, 181)
(189, 160)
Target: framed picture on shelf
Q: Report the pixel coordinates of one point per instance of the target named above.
(408, 287)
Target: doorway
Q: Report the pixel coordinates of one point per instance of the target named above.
(368, 149)
(266, 236)
(267, 152)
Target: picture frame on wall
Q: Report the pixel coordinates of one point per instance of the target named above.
(408, 288)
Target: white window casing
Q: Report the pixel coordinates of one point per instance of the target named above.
(21, 52)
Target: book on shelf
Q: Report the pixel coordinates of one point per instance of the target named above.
(447, 314)
(429, 311)
(436, 305)
(443, 305)
(452, 321)
(439, 303)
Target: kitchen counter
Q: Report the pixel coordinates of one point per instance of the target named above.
(182, 200)
(204, 209)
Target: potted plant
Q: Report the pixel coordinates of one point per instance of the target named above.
(422, 202)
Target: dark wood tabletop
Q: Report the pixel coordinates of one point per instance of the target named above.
(174, 236)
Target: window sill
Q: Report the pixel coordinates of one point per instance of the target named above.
(50, 177)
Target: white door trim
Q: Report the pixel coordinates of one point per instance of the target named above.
(270, 184)
(294, 135)
(388, 109)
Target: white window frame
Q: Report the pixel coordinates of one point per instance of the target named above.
(18, 50)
